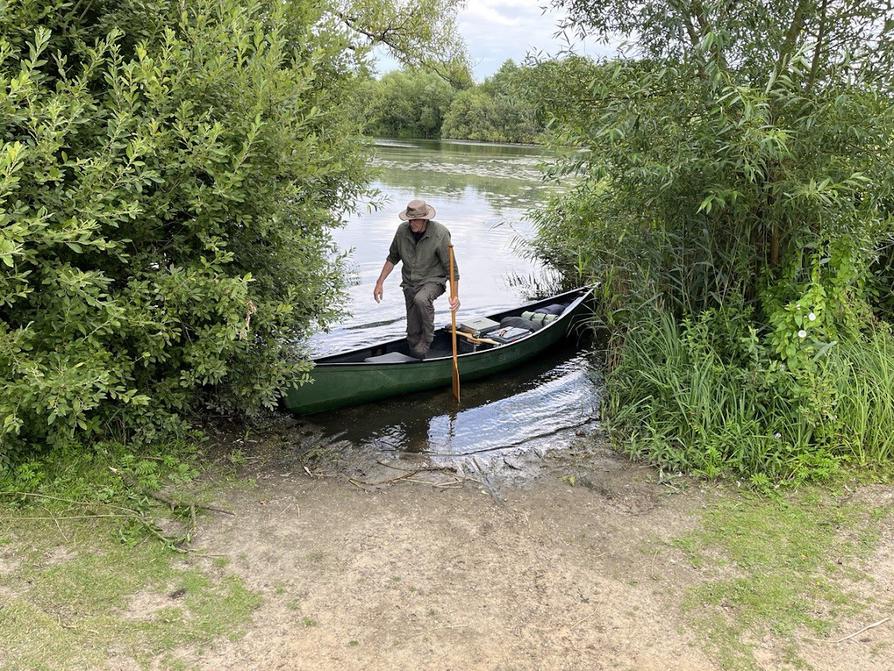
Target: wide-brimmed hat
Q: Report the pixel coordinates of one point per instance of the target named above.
(417, 209)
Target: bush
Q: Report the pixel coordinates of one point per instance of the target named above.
(167, 175)
(733, 182)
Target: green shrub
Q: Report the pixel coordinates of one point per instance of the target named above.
(732, 196)
(167, 176)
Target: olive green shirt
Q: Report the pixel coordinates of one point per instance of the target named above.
(426, 261)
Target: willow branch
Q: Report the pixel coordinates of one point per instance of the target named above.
(792, 34)
(388, 36)
(817, 50)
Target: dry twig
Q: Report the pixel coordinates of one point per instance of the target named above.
(71, 501)
(860, 631)
(423, 469)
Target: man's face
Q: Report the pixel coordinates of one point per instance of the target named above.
(418, 225)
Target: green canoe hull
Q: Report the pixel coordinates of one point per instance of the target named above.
(336, 384)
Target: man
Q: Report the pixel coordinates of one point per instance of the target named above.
(421, 243)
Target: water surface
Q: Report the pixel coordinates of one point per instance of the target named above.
(482, 193)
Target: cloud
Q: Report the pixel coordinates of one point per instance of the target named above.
(487, 13)
(496, 30)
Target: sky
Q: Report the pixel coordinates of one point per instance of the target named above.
(495, 30)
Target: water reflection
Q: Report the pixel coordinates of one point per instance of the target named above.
(537, 404)
(505, 176)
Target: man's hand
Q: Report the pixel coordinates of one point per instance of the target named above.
(454, 304)
(378, 291)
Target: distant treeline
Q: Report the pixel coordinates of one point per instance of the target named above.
(414, 103)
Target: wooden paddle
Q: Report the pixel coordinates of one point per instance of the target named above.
(453, 321)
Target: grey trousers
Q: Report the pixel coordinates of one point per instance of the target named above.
(421, 316)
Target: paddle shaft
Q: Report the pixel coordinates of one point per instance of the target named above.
(453, 322)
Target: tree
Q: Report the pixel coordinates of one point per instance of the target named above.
(408, 104)
(169, 177)
(500, 110)
(734, 182)
(421, 34)
(747, 133)
(758, 40)
(471, 117)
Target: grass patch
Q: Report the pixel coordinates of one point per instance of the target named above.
(777, 567)
(149, 491)
(88, 567)
(78, 600)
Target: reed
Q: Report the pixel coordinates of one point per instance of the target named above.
(679, 400)
(865, 387)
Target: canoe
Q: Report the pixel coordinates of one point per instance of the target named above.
(348, 378)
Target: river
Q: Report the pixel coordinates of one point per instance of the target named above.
(482, 193)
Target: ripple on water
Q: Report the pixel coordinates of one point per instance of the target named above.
(566, 402)
(538, 403)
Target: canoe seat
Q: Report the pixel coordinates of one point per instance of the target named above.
(391, 357)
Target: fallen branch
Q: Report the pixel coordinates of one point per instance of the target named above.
(71, 501)
(207, 555)
(127, 513)
(408, 474)
(452, 483)
(192, 505)
(457, 482)
(64, 517)
(860, 631)
(417, 470)
(66, 625)
(172, 543)
(56, 522)
(172, 503)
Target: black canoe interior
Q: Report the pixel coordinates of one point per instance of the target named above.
(441, 345)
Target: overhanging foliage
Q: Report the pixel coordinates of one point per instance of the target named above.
(169, 175)
(737, 173)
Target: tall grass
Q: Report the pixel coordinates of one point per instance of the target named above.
(681, 398)
(865, 389)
